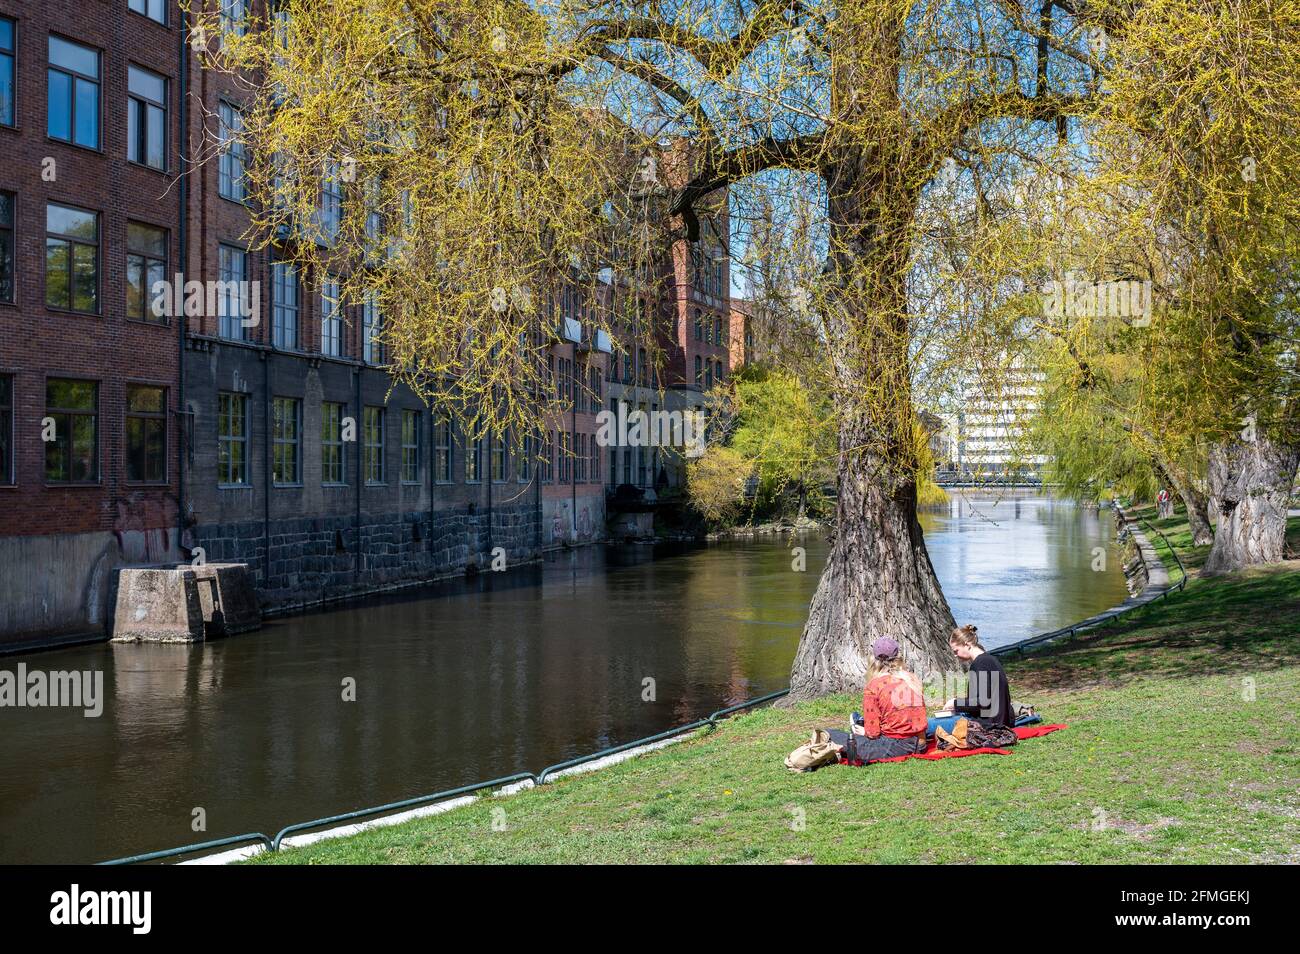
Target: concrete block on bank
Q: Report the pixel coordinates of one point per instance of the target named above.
(184, 603)
(227, 598)
(157, 606)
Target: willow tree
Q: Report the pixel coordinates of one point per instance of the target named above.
(1198, 142)
(498, 144)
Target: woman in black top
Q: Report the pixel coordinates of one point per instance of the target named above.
(988, 694)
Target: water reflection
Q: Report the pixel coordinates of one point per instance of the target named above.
(469, 681)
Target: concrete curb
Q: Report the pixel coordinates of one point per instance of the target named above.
(437, 808)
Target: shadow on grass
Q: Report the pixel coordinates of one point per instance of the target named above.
(1227, 625)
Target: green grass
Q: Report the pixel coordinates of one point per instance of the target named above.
(1183, 747)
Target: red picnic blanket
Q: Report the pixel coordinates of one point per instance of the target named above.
(931, 752)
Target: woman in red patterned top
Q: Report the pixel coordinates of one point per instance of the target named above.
(893, 707)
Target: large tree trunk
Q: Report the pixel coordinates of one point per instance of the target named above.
(1198, 515)
(1251, 480)
(878, 581)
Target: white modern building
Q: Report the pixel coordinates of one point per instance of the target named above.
(992, 425)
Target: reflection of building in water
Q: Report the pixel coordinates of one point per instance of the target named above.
(992, 426)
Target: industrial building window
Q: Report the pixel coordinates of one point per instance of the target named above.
(410, 447)
(330, 211)
(72, 102)
(232, 274)
(146, 433)
(6, 428)
(596, 458)
(717, 331)
(548, 454)
(146, 118)
(286, 448)
(331, 321)
(523, 462)
(155, 10)
(699, 371)
(371, 325)
(232, 439)
(230, 162)
(372, 429)
(498, 458)
(72, 449)
(284, 305)
(474, 461)
(699, 325)
(71, 258)
(331, 443)
(146, 266)
(564, 455)
(7, 216)
(8, 105)
(580, 459)
(442, 450)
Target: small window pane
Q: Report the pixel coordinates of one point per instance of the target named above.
(145, 84)
(146, 239)
(74, 56)
(74, 223)
(60, 107)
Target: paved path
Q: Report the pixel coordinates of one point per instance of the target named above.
(1158, 584)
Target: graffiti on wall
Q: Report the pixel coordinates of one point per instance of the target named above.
(145, 530)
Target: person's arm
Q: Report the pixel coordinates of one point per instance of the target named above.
(984, 691)
(870, 714)
(970, 705)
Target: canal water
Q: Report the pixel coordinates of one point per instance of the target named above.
(463, 682)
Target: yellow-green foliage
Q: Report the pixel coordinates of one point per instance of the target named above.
(786, 431)
(716, 482)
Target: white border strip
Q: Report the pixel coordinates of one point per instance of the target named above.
(437, 808)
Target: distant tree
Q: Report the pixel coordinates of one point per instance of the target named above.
(786, 431)
(716, 483)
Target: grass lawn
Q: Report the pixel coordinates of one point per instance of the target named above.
(1183, 746)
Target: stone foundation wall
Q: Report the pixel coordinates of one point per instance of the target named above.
(317, 558)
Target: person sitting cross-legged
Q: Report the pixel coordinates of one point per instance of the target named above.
(988, 693)
(893, 708)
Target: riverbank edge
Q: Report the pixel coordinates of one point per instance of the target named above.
(1157, 585)
(288, 610)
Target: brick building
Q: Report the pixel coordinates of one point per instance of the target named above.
(129, 437)
(89, 211)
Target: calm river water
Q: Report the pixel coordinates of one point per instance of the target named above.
(463, 682)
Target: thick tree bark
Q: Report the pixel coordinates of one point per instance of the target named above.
(878, 581)
(1251, 480)
(1198, 515)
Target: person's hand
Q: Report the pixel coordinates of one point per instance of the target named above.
(858, 730)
